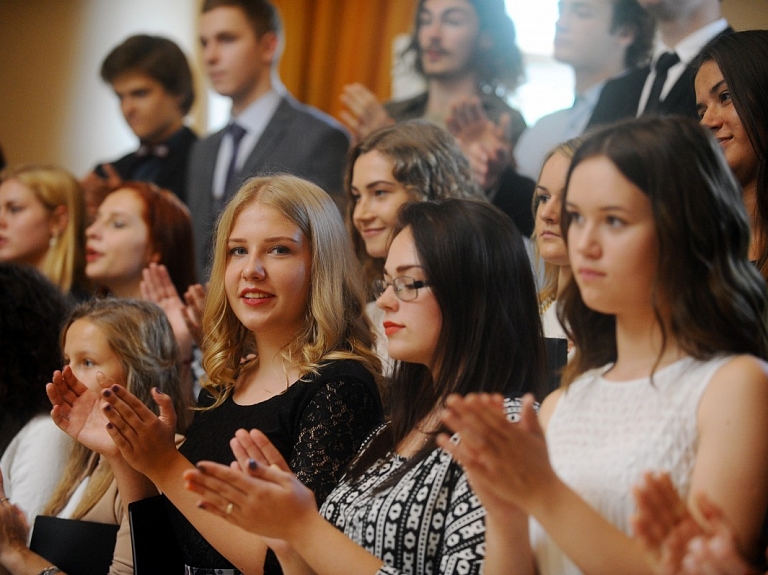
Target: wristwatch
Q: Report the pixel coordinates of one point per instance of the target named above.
(52, 570)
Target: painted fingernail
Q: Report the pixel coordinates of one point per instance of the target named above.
(107, 393)
(110, 426)
(252, 465)
(107, 407)
(200, 468)
(115, 388)
(160, 391)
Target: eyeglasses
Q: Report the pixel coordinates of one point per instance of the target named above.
(406, 288)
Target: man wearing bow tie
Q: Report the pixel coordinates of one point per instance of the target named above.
(152, 80)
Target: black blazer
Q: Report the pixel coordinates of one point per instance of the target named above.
(620, 97)
(173, 175)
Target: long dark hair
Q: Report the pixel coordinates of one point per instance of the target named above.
(491, 338)
(500, 67)
(32, 310)
(706, 294)
(743, 61)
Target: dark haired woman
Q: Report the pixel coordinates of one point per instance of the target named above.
(32, 311)
(460, 316)
(668, 319)
(731, 84)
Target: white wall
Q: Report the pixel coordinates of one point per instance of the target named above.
(93, 116)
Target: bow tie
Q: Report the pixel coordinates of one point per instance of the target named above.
(159, 151)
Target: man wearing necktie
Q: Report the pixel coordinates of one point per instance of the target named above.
(598, 39)
(665, 86)
(153, 83)
(269, 131)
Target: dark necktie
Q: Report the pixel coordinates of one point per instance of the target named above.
(663, 64)
(237, 132)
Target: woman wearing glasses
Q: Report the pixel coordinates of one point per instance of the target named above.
(459, 306)
(412, 161)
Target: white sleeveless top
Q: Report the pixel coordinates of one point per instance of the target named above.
(603, 435)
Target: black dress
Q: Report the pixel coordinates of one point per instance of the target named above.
(318, 425)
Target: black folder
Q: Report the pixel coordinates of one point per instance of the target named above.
(74, 546)
(155, 548)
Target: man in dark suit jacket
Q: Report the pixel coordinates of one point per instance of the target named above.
(684, 28)
(152, 79)
(269, 131)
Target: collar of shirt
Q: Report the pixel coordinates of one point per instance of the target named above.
(690, 46)
(687, 49)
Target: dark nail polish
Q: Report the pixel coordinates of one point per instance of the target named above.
(115, 388)
(252, 465)
(107, 407)
(200, 468)
(110, 426)
(107, 393)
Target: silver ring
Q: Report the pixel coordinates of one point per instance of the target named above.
(230, 506)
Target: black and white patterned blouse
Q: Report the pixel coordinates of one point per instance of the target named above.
(429, 522)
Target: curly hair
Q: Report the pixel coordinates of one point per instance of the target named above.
(32, 310)
(426, 161)
(499, 65)
(336, 325)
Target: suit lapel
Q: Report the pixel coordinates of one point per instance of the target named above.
(275, 130)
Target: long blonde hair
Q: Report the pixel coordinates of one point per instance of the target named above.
(336, 325)
(548, 289)
(64, 262)
(139, 333)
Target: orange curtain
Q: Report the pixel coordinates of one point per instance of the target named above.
(331, 43)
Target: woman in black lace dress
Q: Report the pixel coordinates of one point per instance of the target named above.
(287, 350)
(460, 315)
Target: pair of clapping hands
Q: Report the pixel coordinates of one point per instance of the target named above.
(485, 144)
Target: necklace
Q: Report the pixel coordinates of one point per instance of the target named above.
(546, 304)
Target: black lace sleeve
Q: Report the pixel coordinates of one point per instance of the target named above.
(333, 426)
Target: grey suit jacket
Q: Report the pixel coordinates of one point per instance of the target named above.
(298, 140)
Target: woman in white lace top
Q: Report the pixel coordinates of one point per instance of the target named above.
(667, 315)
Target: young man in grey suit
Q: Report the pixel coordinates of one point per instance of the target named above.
(269, 131)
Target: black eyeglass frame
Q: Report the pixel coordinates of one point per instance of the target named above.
(401, 285)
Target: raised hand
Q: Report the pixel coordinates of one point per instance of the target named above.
(364, 113)
(193, 313)
(716, 552)
(145, 440)
(76, 411)
(156, 286)
(662, 522)
(484, 143)
(96, 188)
(13, 525)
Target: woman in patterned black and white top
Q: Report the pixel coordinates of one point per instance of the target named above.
(460, 310)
